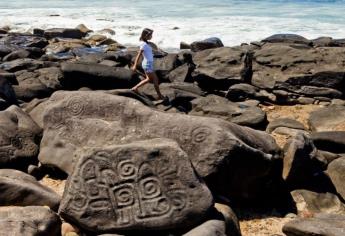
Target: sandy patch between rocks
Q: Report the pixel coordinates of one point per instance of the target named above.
(298, 112)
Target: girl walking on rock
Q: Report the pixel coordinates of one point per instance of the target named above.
(147, 64)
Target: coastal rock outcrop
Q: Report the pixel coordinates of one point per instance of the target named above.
(73, 120)
(299, 70)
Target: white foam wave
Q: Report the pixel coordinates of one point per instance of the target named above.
(232, 29)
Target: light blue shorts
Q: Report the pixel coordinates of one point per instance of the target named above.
(148, 66)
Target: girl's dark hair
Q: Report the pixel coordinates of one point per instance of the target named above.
(145, 34)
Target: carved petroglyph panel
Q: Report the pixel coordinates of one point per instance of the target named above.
(138, 186)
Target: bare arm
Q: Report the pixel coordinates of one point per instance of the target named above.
(134, 67)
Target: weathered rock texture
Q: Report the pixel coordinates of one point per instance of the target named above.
(147, 185)
(19, 139)
(20, 189)
(73, 120)
(29, 221)
(321, 225)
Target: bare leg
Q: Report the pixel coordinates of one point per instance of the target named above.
(141, 83)
(153, 77)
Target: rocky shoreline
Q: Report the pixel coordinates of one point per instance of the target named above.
(254, 126)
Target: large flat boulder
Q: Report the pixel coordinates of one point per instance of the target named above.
(25, 64)
(301, 70)
(19, 139)
(40, 83)
(25, 41)
(287, 38)
(147, 185)
(321, 225)
(330, 118)
(220, 68)
(74, 120)
(238, 113)
(96, 76)
(20, 189)
(29, 221)
(310, 203)
(64, 33)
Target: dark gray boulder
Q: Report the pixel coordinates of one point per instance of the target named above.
(74, 120)
(242, 91)
(7, 94)
(321, 225)
(206, 44)
(219, 68)
(299, 70)
(219, 107)
(287, 38)
(19, 139)
(29, 221)
(148, 185)
(63, 33)
(96, 76)
(302, 167)
(21, 53)
(336, 172)
(179, 96)
(38, 84)
(25, 64)
(24, 41)
(331, 141)
(20, 189)
(164, 65)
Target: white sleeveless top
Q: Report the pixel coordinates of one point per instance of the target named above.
(147, 51)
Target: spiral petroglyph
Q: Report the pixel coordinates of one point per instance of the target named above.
(150, 188)
(127, 169)
(200, 134)
(124, 195)
(76, 106)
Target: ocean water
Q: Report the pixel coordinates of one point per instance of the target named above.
(233, 21)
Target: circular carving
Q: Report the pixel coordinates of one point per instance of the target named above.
(150, 188)
(79, 200)
(178, 199)
(200, 134)
(124, 196)
(127, 169)
(75, 106)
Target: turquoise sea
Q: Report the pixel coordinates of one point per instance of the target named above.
(234, 21)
